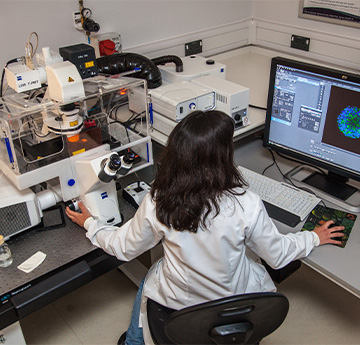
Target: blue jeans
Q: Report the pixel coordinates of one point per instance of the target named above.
(134, 334)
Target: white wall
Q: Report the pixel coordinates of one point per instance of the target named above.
(138, 22)
(277, 20)
(167, 24)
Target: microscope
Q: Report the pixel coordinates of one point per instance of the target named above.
(68, 139)
(97, 174)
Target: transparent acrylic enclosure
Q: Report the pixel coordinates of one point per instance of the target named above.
(37, 132)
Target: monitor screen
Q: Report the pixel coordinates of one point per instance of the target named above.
(313, 114)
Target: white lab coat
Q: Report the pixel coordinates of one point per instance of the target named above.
(197, 267)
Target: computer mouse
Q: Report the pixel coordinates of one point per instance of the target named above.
(339, 238)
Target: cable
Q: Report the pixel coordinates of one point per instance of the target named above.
(299, 162)
(269, 166)
(134, 119)
(257, 107)
(30, 51)
(286, 178)
(2, 81)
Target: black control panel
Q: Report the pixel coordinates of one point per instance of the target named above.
(83, 57)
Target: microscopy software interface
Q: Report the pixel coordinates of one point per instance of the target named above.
(316, 115)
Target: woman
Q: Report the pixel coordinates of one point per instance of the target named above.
(213, 230)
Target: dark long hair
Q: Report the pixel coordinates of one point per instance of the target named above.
(195, 169)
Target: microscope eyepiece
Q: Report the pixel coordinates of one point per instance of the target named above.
(129, 158)
(114, 162)
(116, 166)
(109, 168)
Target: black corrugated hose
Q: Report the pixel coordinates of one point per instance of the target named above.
(162, 60)
(124, 62)
(147, 68)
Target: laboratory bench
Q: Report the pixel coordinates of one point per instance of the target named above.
(250, 67)
(340, 265)
(73, 261)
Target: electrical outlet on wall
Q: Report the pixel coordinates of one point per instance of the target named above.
(194, 47)
(300, 42)
(106, 43)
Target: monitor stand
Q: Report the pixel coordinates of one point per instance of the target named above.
(333, 190)
(336, 188)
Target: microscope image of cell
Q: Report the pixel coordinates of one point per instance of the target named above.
(349, 122)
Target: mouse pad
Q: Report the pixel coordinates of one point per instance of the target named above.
(321, 214)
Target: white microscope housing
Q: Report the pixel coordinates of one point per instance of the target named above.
(97, 174)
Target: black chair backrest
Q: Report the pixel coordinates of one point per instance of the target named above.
(240, 319)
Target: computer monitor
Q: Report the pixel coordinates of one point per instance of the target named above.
(313, 115)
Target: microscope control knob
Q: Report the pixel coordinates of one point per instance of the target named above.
(192, 106)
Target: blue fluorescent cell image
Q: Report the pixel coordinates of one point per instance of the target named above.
(349, 122)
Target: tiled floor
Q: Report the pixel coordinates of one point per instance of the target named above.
(98, 313)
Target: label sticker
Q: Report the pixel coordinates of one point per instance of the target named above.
(89, 64)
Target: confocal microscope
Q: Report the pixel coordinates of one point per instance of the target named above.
(64, 138)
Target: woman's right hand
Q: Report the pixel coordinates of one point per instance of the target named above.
(78, 217)
(327, 233)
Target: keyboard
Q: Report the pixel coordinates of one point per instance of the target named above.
(282, 201)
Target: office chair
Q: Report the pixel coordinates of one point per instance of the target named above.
(240, 319)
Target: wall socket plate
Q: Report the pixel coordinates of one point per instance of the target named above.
(300, 42)
(194, 47)
(77, 20)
